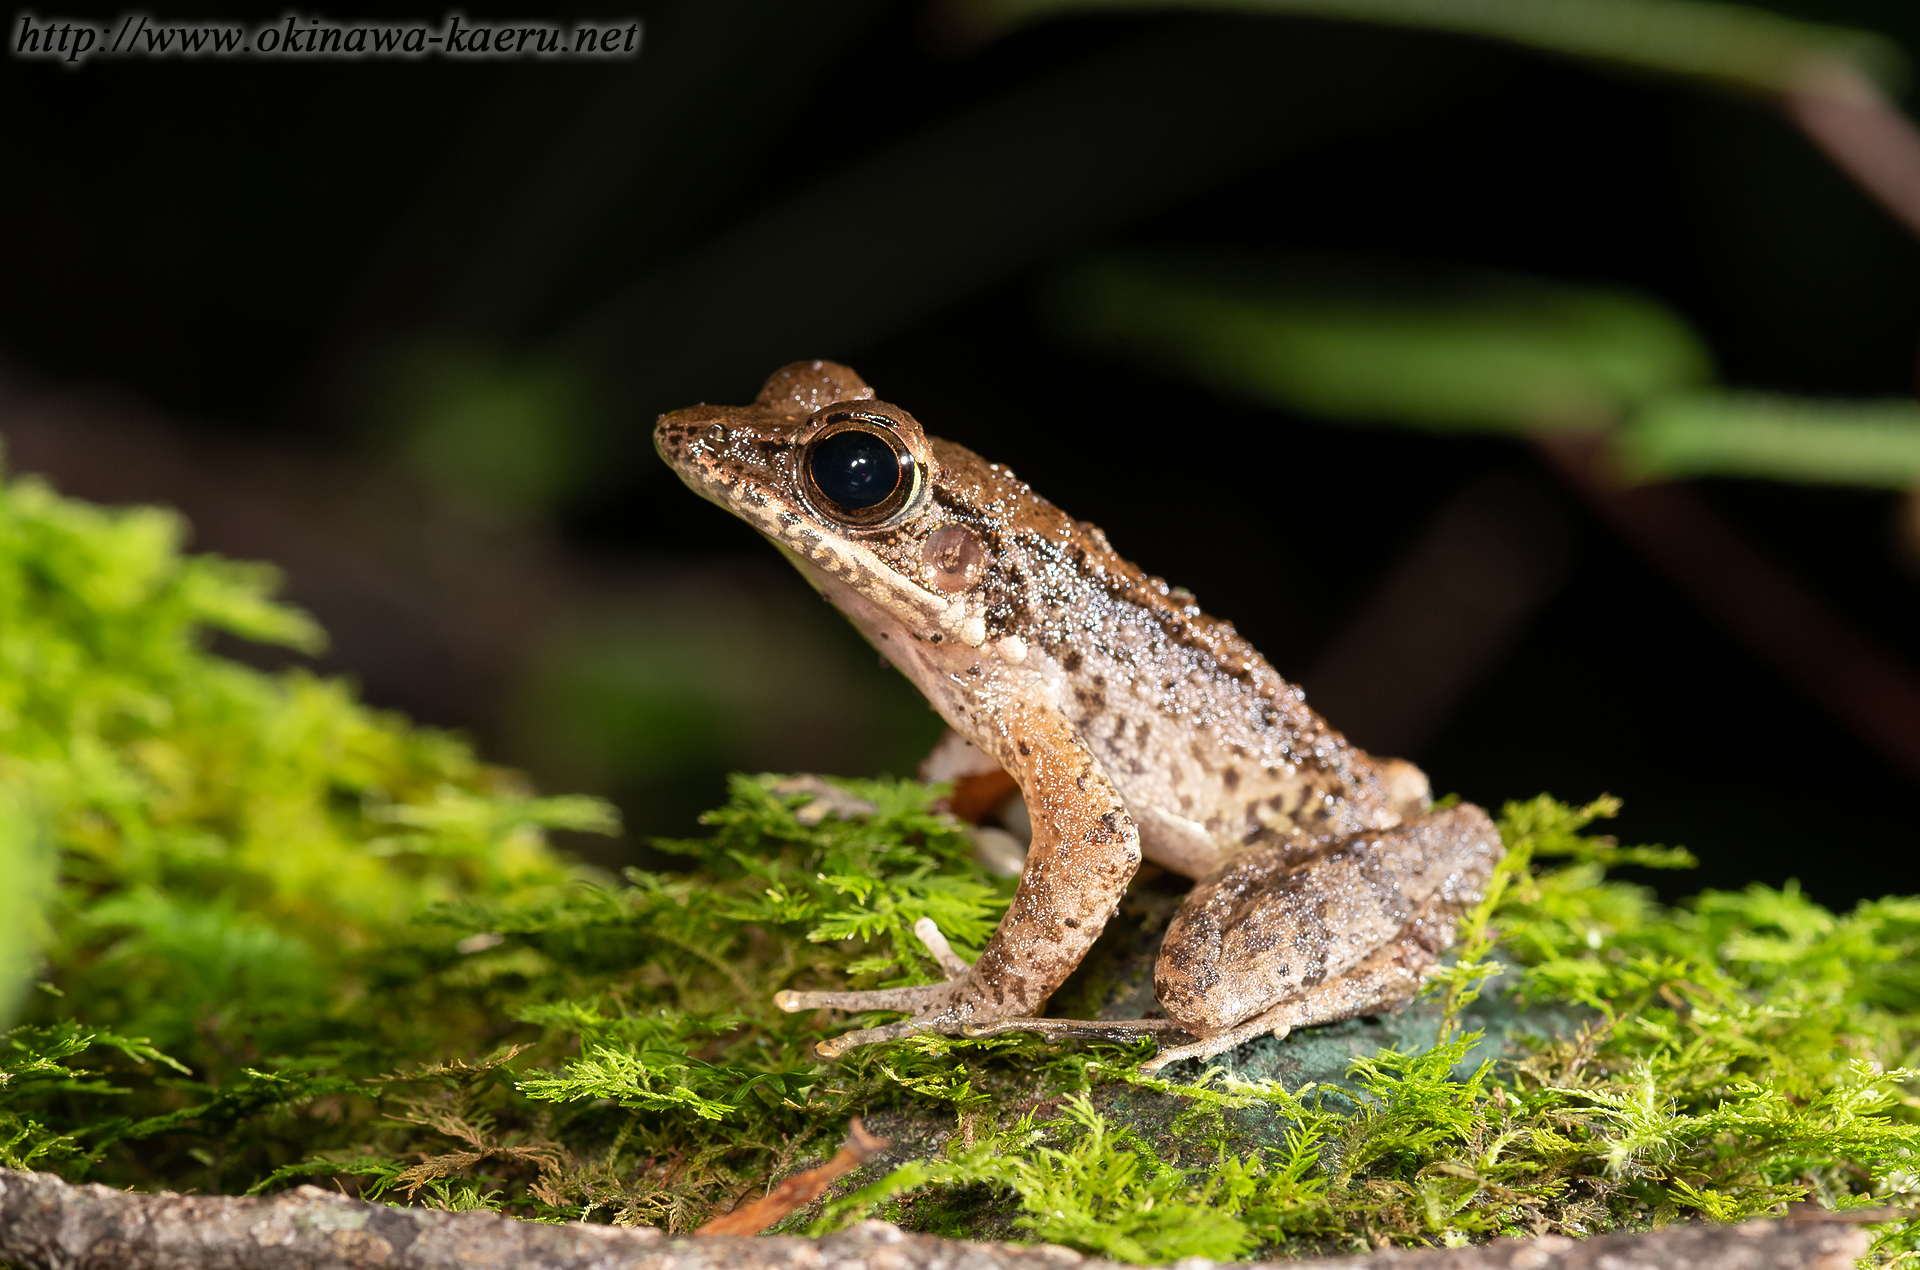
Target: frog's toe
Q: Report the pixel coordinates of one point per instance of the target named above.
(1214, 1045)
(1078, 1029)
(838, 1046)
(928, 932)
(931, 1004)
(920, 999)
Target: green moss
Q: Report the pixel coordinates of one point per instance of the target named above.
(293, 938)
(243, 857)
(1742, 1053)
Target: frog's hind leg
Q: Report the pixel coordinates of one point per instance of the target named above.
(1273, 1020)
(1261, 947)
(1385, 981)
(839, 1045)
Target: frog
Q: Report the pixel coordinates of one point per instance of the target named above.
(1326, 881)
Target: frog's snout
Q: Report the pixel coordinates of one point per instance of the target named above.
(673, 435)
(698, 447)
(666, 442)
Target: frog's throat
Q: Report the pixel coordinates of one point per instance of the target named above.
(915, 607)
(820, 554)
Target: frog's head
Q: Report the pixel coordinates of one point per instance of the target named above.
(844, 485)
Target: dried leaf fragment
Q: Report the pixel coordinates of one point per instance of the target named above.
(801, 1189)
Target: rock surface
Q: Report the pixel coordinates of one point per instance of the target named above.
(48, 1224)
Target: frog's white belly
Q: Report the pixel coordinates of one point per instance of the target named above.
(1175, 842)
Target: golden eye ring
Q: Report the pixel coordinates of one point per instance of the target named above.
(858, 470)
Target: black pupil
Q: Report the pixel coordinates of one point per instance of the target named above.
(855, 469)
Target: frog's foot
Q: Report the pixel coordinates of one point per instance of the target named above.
(1079, 1029)
(931, 1004)
(1252, 1029)
(1133, 1029)
(837, 1047)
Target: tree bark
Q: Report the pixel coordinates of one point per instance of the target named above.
(48, 1224)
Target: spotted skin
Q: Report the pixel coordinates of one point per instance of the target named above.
(1133, 723)
(1262, 930)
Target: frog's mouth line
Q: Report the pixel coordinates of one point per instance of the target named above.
(817, 552)
(853, 565)
(763, 497)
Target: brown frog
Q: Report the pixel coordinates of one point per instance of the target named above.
(1133, 724)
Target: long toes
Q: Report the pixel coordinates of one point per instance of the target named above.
(929, 934)
(839, 1045)
(1081, 1029)
(908, 1000)
(1199, 1049)
(1212, 1045)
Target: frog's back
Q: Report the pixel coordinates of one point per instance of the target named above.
(1212, 750)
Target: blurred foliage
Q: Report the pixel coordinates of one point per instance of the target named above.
(1471, 352)
(483, 431)
(241, 856)
(650, 699)
(293, 938)
(1455, 351)
(1865, 443)
(1736, 44)
(26, 866)
(1496, 353)
(226, 835)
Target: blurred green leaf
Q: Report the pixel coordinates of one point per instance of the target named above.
(1733, 44)
(1480, 352)
(1471, 352)
(501, 435)
(1749, 434)
(650, 696)
(227, 839)
(26, 879)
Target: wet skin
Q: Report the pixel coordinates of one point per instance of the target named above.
(1133, 724)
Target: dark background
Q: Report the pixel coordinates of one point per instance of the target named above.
(403, 328)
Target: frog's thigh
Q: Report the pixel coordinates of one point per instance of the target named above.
(1260, 932)
(1085, 850)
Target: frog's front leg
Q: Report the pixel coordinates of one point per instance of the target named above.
(1085, 850)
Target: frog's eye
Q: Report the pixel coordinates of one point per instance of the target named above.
(858, 470)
